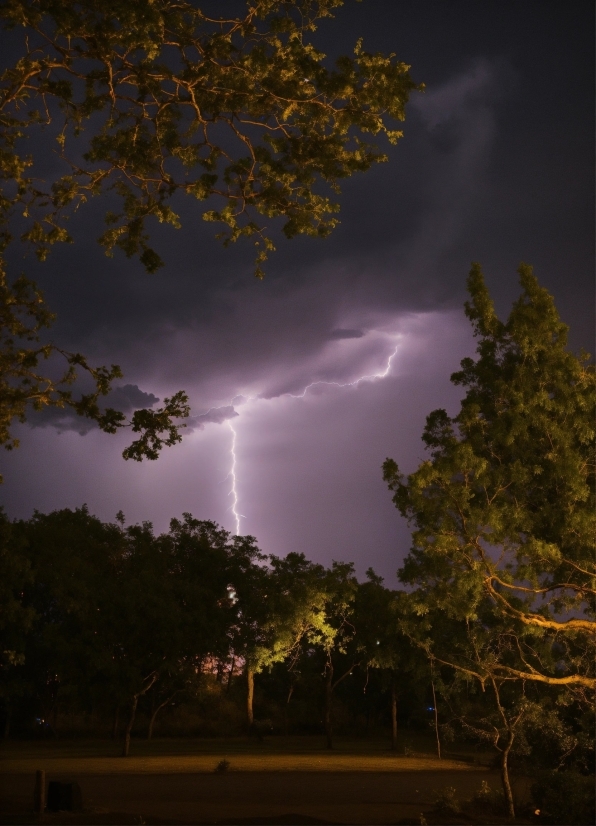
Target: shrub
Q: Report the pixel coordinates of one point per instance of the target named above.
(446, 801)
(564, 798)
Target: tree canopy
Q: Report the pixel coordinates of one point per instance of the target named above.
(155, 98)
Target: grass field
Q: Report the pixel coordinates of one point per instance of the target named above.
(189, 756)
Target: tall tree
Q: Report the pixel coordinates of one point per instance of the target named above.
(503, 510)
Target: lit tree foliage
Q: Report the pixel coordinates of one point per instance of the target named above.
(504, 509)
(148, 99)
(503, 546)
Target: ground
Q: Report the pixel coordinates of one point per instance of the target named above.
(284, 780)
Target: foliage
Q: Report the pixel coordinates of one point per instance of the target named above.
(446, 801)
(503, 548)
(504, 510)
(104, 619)
(564, 797)
(179, 101)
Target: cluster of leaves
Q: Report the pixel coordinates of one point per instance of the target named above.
(503, 556)
(240, 108)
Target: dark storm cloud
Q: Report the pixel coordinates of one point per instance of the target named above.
(126, 398)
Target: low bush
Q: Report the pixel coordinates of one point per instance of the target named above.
(565, 798)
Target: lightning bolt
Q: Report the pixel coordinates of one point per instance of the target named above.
(382, 375)
(232, 475)
(234, 491)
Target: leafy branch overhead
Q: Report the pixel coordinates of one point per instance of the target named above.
(150, 99)
(24, 384)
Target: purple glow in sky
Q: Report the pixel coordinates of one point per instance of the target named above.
(319, 383)
(303, 384)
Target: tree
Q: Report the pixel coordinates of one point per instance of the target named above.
(336, 639)
(377, 611)
(72, 557)
(505, 507)
(150, 100)
(504, 510)
(298, 601)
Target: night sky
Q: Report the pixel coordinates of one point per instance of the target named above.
(496, 166)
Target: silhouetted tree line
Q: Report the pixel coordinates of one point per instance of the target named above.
(105, 621)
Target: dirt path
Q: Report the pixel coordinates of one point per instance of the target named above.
(336, 797)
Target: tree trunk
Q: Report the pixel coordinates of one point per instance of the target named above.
(130, 724)
(116, 722)
(219, 672)
(432, 682)
(393, 715)
(328, 698)
(250, 682)
(505, 774)
(510, 727)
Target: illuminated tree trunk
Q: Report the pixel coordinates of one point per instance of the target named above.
(130, 724)
(250, 680)
(505, 774)
(393, 714)
(510, 726)
(287, 715)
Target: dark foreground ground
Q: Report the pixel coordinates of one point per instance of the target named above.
(250, 797)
